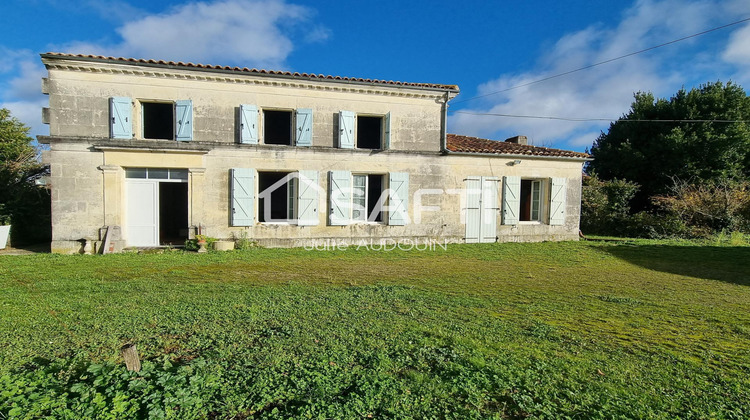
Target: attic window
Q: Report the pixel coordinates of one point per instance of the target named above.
(277, 127)
(369, 132)
(158, 120)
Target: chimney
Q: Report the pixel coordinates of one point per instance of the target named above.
(517, 140)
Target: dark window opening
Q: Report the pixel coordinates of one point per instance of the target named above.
(275, 203)
(158, 121)
(277, 126)
(173, 213)
(369, 132)
(374, 191)
(531, 191)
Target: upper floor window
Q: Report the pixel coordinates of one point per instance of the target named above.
(364, 131)
(284, 127)
(158, 119)
(277, 127)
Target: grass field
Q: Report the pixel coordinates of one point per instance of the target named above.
(547, 330)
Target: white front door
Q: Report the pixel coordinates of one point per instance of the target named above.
(143, 212)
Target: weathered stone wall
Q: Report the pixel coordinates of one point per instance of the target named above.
(79, 104)
(80, 173)
(88, 169)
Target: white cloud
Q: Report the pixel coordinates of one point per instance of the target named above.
(255, 33)
(738, 48)
(605, 91)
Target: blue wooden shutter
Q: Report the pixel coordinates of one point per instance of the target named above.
(557, 201)
(398, 184)
(307, 198)
(511, 199)
(473, 209)
(387, 131)
(248, 124)
(488, 230)
(243, 196)
(340, 196)
(184, 120)
(120, 118)
(304, 127)
(346, 129)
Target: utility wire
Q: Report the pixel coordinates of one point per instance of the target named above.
(621, 119)
(605, 61)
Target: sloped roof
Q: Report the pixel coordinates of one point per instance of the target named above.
(467, 144)
(296, 75)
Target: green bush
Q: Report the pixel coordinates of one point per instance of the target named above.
(605, 206)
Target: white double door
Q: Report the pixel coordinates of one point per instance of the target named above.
(481, 209)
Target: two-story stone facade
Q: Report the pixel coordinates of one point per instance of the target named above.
(153, 152)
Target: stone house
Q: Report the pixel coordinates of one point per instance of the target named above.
(149, 153)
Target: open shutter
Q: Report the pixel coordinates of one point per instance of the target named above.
(120, 118)
(248, 124)
(557, 201)
(340, 195)
(511, 199)
(473, 209)
(243, 196)
(184, 120)
(488, 230)
(346, 129)
(307, 198)
(398, 184)
(387, 131)
(304, 127)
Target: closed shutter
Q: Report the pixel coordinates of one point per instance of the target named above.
(511, 199)
(557, 201)
(120, 118)
(340, 196)
(398, 184)
(488, 231)
(307, 199)
(473, 209)
(184, 120)
(248, 124)
(243, 196)
(304, 127)
(387, 131)
(346, 129)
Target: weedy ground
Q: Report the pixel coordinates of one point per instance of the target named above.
(631, 329)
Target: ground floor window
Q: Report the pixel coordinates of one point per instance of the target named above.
(277, 198)
(531, 200)
(366, 192)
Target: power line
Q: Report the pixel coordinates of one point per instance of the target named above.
(545, 117)
(605, 61)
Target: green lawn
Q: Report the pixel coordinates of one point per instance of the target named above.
(548, 330)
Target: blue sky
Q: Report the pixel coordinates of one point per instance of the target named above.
(482, 46)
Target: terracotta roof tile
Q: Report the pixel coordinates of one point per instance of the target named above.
(467, 144)
(245, 70)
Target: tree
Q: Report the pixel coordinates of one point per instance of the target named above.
(24, 203)
(655, 142)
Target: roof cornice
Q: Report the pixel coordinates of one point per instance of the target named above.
(190, 71)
